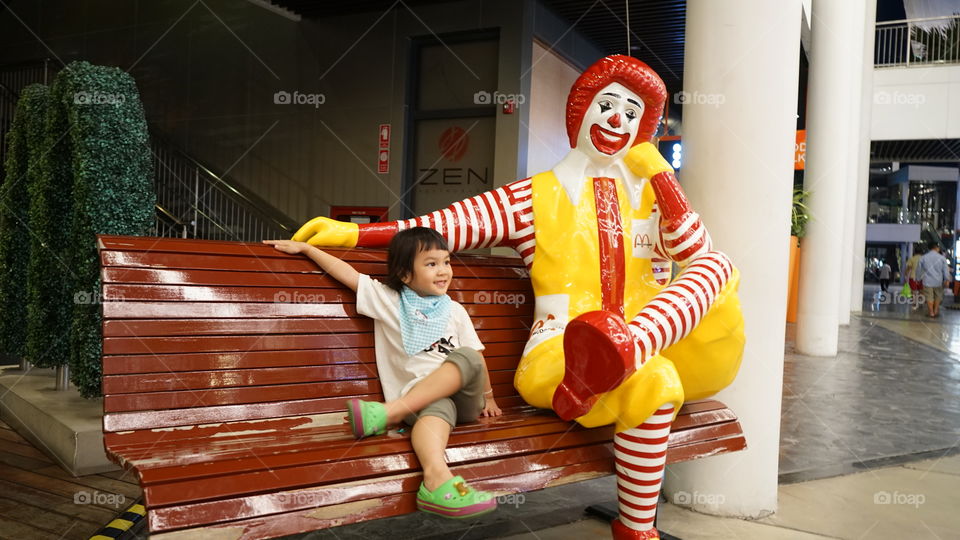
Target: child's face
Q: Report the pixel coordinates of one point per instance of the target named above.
(431, 273)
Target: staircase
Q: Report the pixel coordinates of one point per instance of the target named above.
(193, 201)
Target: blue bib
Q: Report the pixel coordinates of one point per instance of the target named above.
(423, 319)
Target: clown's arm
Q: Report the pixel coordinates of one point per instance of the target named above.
(678, 308)
(501, 217)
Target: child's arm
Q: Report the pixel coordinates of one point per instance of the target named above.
(340, 270)
(491, 408)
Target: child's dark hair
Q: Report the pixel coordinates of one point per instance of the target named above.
(403, 250)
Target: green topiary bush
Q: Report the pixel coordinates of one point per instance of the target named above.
(15, 235)
(50, 275)
(112, 193)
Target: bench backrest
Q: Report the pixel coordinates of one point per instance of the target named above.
(199, 332)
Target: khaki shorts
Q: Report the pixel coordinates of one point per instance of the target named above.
(933, 294)
(467, 403)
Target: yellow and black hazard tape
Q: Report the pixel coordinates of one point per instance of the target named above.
(122, 523)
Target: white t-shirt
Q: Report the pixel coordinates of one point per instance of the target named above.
(398, 370)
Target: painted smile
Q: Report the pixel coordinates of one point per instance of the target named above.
(607, 141)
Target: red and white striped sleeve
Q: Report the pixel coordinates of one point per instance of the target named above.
(501, 217)
(683, 240)
(678, 308)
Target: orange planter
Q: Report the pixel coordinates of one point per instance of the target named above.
(794, 283)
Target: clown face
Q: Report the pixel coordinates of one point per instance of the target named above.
(611, 123)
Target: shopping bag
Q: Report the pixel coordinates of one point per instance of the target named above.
(905, 291)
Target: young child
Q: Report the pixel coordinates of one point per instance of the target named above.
(428, 359)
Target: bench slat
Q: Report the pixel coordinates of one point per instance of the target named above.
(110, 243)
(197, 380)
(269, 342)
(268, 448)
(125, 421)
(201, 327)
(345, 492)
(303, 475)
(228, 396)
(394, 505)
(464, 278)
(129, 309)
(123, 293)
(225, 360)
(367, 389)
(170, 363)
(274, 262)
(157, 382)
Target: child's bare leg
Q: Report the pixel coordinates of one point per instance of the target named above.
(430, 435)
(443, 382)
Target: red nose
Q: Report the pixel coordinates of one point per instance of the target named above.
(614, 120)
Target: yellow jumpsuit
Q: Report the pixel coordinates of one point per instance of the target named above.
(566, 279)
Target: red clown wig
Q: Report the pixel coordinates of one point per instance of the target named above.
(631, 73)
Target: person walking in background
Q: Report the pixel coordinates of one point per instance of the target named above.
(934, 273)
(911, 277)
(885, 276)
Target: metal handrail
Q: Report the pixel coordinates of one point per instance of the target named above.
(918, 19)
(191, 198)
(909, 42)
(253, 202)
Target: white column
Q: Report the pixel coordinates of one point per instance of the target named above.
(835, 56)
(859, 247)
(741, 68)
(855, 88)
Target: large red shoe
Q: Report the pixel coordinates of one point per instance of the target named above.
(598, 351)
(622, 532)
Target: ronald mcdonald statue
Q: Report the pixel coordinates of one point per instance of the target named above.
(614, 340)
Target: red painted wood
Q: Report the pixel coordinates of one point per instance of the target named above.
(174, 310)
(146, 420)
(268, 342)
(391, 505)
(167, 363)
(228, 396)
(246, 249)
(337, 460)
(303, 325)
(226, 400)
(304, 275)
(297, 475)
(705, 449)
(124, 292)
(702, 434)
(227, 360)
(702, 418)
(339, 493)
(155, 382)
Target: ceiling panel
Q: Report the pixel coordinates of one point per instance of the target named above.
(657, 25)
(923, 150)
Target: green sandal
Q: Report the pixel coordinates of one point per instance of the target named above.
(455, 499)
(366, 418)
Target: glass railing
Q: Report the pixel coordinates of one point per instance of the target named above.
(893, 214)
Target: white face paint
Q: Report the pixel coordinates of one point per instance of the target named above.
(610, 124)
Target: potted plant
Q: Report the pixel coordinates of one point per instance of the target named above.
(798, 225)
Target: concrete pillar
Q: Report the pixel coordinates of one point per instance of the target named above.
(855, 89)
(835, 57)
(859, 247)
(742, 57)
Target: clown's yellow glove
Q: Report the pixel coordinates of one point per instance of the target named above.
(646, 161)
(325, 232)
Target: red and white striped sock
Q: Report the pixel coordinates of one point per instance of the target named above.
(640, 455)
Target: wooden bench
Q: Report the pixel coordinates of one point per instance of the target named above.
(226, 366)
